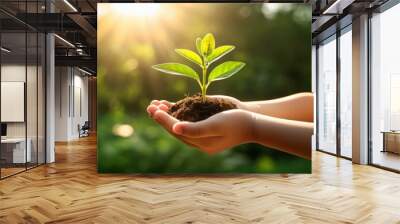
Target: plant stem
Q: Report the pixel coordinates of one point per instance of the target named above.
(203, 87)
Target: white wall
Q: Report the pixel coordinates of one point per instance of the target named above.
(62, 81)
(71, 94)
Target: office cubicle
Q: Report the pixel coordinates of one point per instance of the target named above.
(22, 88)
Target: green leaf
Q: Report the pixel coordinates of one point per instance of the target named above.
(190, 55)
(177, 69)
(219, 52)
(198, 45)
(207, 44)
(225, 70)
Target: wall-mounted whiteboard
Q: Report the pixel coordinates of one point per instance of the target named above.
(12, 101)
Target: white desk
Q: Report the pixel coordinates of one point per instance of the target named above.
(19, 155)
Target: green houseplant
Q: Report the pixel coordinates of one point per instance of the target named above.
(207, 54)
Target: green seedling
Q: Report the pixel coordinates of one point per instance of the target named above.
(208, 54)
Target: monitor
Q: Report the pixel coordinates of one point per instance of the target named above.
(3, 129)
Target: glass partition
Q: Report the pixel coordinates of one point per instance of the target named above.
(32, 97)
(15, 149)
(41, 88)
(23, 91)
(327, 95)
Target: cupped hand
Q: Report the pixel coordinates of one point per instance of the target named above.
(218, 132)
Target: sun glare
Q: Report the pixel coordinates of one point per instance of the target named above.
(137, 10)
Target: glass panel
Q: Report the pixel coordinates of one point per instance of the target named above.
(14, 153)
(385, 84)
(22, 89)
(32, 87)
(327, 96)
(32, 95)
(41, 98)
(346, 94)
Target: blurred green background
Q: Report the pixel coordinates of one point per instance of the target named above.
(273, 39)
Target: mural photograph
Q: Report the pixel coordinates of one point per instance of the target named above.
(204, 88)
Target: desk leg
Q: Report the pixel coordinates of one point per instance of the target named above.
(384, 142)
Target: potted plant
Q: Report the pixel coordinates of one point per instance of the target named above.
(199, 107)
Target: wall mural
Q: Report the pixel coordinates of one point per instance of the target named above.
(193, 88)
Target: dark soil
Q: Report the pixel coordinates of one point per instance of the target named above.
(193, 108)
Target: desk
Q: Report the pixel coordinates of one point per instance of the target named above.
(17, 150)
(391, 141)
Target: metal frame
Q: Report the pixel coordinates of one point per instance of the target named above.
(369, 90)
(338, 98)
(316, 97)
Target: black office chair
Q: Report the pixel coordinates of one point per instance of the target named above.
(84, 130)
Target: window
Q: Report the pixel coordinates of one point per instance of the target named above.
(346, 92)
(327, 95)
(385, 89)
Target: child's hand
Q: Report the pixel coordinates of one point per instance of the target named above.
(221, 131)
(285, 124)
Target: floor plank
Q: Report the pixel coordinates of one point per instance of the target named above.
(71, 191)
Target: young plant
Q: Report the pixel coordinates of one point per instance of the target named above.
(208, 54)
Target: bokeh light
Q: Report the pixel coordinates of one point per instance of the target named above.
(123, 130)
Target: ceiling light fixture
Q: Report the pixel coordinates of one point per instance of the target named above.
(65, 41)
(84, 71)
(5, 50)
(70, 5)
(337, 7)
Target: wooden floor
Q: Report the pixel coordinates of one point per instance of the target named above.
(387, 159)
(70, 191)
(10, 171)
